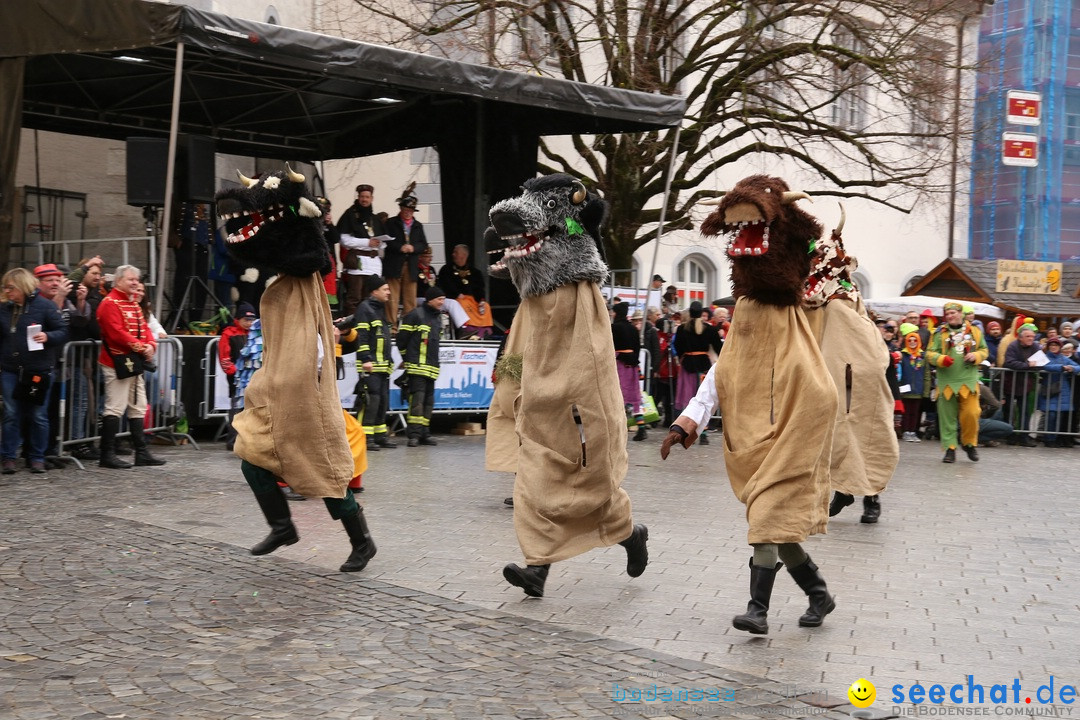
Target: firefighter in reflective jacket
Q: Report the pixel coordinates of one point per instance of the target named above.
(373, 361)
(418, 341)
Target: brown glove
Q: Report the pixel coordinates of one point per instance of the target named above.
(683, 431)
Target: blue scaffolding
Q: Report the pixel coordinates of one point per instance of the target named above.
(1019, 212)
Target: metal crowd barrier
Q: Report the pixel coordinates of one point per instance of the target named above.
(82, 395)
(1038, 402)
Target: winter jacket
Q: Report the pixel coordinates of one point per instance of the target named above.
(1055, 393)
(14, 319)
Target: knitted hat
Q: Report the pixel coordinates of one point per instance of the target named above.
(953, 306)
(1053, 341)
(907, 328)
(993, 324)
(434, 292)
(373, 283)
(245, 310)
(968, 309)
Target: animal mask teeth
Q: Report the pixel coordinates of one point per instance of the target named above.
(520, 251)
(273, 213)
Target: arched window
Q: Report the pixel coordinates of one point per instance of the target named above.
(694, 278)
(863, 283)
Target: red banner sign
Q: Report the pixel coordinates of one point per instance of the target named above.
(1023, 108)
(1020, 149)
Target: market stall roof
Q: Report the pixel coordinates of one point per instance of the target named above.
(976, 281)
(900, 306)
(106, 69)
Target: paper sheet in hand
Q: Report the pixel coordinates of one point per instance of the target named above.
(31, 331)
(1039, 358)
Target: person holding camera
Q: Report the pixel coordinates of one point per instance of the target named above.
(127, 344)
(33, 332)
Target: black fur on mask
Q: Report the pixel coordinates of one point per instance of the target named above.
(549, 235)
(274, 223)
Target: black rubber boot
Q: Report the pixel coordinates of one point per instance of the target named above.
(282, 531)
(637, 552)
(808, 578)
(138, 440)
(871, 509)
(363, 547)
(839, 502)
(529, 578)
(641, 434)
(754, 620)
(110, 425)
(383, 441)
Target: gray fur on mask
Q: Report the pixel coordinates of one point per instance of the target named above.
(540, 253)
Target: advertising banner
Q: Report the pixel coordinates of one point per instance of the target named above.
(464, 379)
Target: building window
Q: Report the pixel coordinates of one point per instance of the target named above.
(693, 279)
(534, 43)
(863, 283)
(1072, 130)
(849, 84)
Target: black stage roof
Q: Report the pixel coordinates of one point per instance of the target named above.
(105, 69)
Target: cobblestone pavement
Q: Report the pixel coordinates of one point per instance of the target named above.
(131, 594)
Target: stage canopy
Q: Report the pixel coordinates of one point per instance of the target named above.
(107, 69)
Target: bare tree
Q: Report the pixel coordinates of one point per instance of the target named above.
(858, 94)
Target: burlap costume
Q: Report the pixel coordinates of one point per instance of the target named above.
(292, 423)
(568, 498)
(778, 403)
(864, 449)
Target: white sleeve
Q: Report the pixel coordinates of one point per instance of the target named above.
(701, 406)
(155, 327)
(354, 243)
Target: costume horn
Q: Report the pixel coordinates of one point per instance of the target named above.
(293, 175)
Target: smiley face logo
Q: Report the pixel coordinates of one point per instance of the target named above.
(862, 693)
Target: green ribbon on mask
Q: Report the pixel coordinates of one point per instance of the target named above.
(573, 227)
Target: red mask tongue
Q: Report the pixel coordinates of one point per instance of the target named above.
(256, 221)
(749, 238)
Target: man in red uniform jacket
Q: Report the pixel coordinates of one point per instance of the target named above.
(124, 330)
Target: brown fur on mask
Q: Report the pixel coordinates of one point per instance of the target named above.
(769, 240)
